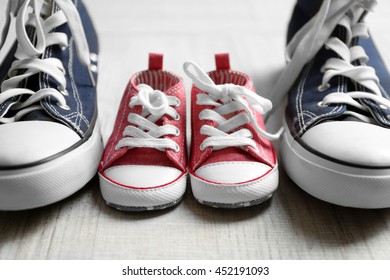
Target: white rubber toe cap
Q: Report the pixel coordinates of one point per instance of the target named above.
(232, 172)
(26, 142)
(142, 176)
(352, 142)
(255, 190)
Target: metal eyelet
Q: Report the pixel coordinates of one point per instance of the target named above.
(202, 147)
(322, 88)
(64, 92)
(93, 68)
(177, 132)
(177, 117)
(200, 116)
(64, 107)
(322, 105)
(177, 149)
(93, 57)
(178, 102)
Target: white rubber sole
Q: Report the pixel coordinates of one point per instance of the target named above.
(138, 199)
(333, 182)
(52, 181)
(235, 195)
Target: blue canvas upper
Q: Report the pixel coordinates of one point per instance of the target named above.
(81, 98)
(304, 108)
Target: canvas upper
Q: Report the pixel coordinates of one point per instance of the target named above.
(232, 163)
(148, 166)
(52, 57)
(50, 141)
(262, 152)
(338, 106)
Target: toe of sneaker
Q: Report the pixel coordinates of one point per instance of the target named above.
(232, 172)
(142, 187)
(244, 184)
(29, 142)
(142, 176)
(350, 142)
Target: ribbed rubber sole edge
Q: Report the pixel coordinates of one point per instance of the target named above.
(51, 181)
(333, 182)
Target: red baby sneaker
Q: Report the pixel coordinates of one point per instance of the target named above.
(233, 163)
(144, 163)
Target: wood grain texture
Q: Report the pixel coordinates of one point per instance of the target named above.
(293, 225)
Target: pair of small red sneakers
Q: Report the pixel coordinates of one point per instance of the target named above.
(232, 162)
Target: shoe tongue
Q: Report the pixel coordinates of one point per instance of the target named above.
(350, 118)
(341, 33)
(33, 83)
(38, 115)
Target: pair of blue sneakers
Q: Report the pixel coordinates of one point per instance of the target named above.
(336, 123)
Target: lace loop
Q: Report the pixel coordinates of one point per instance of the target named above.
(28, 53)
(361, 74)
(232, 98)
(349, 62)
(144, 132)
(310, 39)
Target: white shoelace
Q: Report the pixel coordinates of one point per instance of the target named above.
(28, 55)
(309, 39)
(343, 66)
(228, 99)
(144, 132)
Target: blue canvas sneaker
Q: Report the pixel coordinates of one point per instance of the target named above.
(50, 142)
(337, 121)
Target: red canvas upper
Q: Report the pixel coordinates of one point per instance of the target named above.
(168, 83)
(265, 152)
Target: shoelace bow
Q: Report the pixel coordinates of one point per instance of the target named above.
(227, 99)
(143, 131)
(28, 55)
(317, 32)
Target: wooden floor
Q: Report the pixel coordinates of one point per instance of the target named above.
(293, 225)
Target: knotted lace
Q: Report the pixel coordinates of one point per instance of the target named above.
(143, 131)
(317, 33)
(228, 99)
(29, 54)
